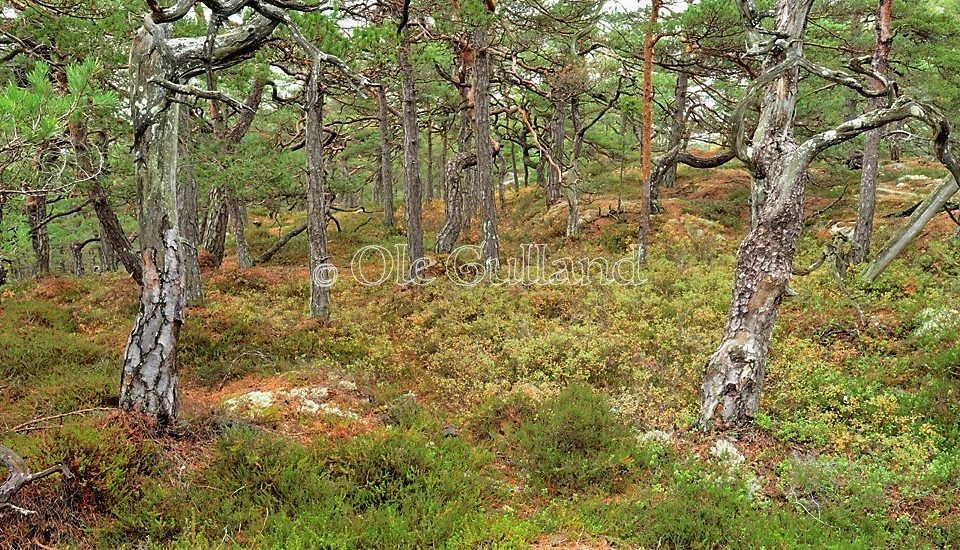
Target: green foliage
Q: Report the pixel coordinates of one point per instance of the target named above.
(386, 489)
(576, 443)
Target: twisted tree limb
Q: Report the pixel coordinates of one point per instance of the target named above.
(20, 476)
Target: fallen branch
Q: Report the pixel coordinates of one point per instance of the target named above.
(21, 476)
(56, 417)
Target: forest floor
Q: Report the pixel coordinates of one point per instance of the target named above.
(515, 415)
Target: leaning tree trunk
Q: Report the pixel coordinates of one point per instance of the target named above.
(316, 201)
(412, 199)
(931, 206)
(735, 372)
(149, 381)
(489, 236)
(871, 146)
(386, 162)
(187, 197)
(113, 241)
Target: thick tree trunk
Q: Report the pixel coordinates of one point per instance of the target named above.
(386, 162)
(317, 201)
(557, 137)
(149, 381)
(734, 374)
(454, 191)
(36, 206)
(215, 232)
(187, 198)
(412, 199)
(871, 146)
(489, 235)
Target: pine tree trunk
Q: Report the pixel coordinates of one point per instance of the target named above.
(646, 139)
(573, 195)
(235, 212)
(679, 130)
(149, 381)
(871, 146)
(187, 198)
(317, 201)
(735, 373)
(36, 206)
(215, 232)
(489, 235)
(386, 162)
(557, 137)
(412, 199)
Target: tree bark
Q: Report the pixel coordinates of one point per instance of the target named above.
(36, 209)
(187, 197)
(646, 140)
(557, 137)
(735, 372)
(386, 162)
(316, 201)
(412, 199)
(149, 381)
(679, 129)
(871, 146)
(573, 194)
(237, 225)
(489, 235)
(215, 234)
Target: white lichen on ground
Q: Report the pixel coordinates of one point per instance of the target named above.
(310, 400)
(933, 320)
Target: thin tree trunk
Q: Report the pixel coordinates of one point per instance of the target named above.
(237, 225)
(871, 146)
(187, 197)
(573, 194)
(557, 137)
(281, 242)
(386, 163)
(453, 211)
(679, 130)
(428, 191)
(317, 201)
(489, 234)
(412, 200)
(215, 234)
(930, 207)
(36, 206)
(646, 141)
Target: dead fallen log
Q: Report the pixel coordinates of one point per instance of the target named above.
(20, 476)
